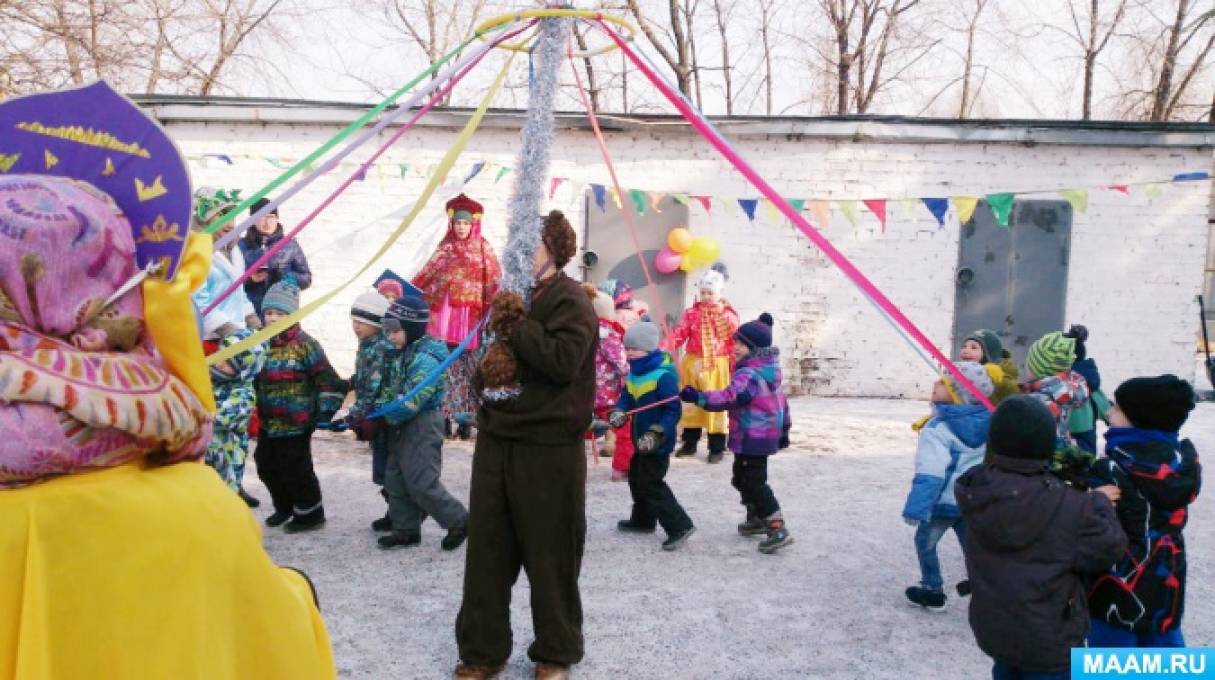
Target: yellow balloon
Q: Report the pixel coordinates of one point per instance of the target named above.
(680, 239)
(704, 250)
(687, 264)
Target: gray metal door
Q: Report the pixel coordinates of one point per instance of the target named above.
(1014, 280)
(608, 238)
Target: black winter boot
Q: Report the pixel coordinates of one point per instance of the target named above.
(307, 521)
(778, 536)
(717, 447)
(753, 526)
(691, 438)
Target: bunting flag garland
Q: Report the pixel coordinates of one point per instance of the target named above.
(681, 199)
(964, 207)
(1122, 188)
(1153, 190)
(773, 213)
(1078, 198)
(501, 173)
(799, 204)
(938, 207)
(476, 170)
(707, 202)
(1001, 206)
(615, 198)
(638, 197)
(600, 193)
(877, 206)
(848, 207)
(655, 198)
(821, 212)
(552, 188)
(748, 205)
(907, 208)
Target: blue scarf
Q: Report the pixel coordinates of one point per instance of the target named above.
(1116, 437)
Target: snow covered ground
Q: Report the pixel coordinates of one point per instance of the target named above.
(830, 606)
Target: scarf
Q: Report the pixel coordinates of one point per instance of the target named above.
(715, 328)
(464, 272)
(1118, 437)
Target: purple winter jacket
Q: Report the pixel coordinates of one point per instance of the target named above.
(759, 411)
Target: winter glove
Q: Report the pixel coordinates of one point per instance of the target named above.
(600, 427)
(226, 330)
(650, 441)
(367, 429)
(914, 523)
(784, 442)
(253, 323)
(617, 419)
(337, 425)
(690, 394)
(742, 398)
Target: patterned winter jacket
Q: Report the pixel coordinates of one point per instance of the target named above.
(1062, 393)
(759, 412)
(953, 441)
(1159, 477)
(407, 373)
(288, 261)
(611, 366)
(706, 332)
(652, 379)
(370, 366)
(297, 388)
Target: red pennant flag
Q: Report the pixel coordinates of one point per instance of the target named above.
(552, 189)
(706, 201)
(1121, 187)
(877, 206)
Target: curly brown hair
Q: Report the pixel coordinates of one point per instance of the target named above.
(559, 238)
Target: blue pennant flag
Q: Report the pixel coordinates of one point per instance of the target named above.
(1191, 176)
(938, 207)
(600, 192)
(748, 206)
(476, 170)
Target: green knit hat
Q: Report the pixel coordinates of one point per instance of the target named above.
(1052, 353)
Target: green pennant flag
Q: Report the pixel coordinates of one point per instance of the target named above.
(501, 173)
(638, 197)
(404, 169)
(797, 203)
(1001, 206)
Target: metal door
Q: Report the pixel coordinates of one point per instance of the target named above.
(1014, 280)
(609, 240)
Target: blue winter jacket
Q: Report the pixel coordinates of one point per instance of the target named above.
(952, 442)
(653, 378)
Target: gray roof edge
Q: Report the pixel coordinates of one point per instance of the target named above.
(873, 128)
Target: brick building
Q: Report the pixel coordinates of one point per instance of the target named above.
(1128, 265)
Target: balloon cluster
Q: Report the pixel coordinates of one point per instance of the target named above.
(683, 252)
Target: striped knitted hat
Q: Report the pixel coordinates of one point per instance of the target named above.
(369, 308)
(1052, 353)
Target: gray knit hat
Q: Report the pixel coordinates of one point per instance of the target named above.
(283, 297)
(978, 377)
(642, 336)
(369, 308)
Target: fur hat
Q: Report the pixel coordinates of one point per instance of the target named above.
(369, 308)
(1022, 427)
(756, 334)
(1160, 403)
(642, 336)
(977, 375)
(559, 237)
(283, 296)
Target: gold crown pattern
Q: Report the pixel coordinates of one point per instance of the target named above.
(147, 192)
(8, 161)
(159, 232)
(89, 136)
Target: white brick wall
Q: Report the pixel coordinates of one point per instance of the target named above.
(1136, 265)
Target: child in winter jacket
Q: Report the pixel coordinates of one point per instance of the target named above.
(1051, 380)
(1031, 541)
(367, 383)
(296, 389)
(629, 310)
(235, 401)
(1083, 421)
(759, 427)
(652, 383)
(707, 329)
(1140, 602)
(611, 370)
(953, 441)
(984, 346)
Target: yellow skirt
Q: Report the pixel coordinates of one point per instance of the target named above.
(706, 375)
(153, 572)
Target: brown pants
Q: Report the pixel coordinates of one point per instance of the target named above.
(527, 509)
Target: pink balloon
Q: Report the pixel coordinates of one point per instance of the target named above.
(667, 261)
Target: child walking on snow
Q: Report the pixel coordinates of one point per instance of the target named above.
(370, 367)
(652, 379)
(953, 441)
(759, 427)
(611, 370)
(1051, 380)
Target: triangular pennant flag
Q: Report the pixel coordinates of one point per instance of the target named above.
(848, 207)
(476, 170)
(773, 213)
(1001, 206)
(938, 207)
(799, 204)
(907, 208)
(1153, 190)
(731, 207)
(638, 197)
(706, 201)
(1078, 198)
(822, 213)
(877, 206)
(655, 198)
(501, 173)
(681, 199)
(1191, 176)
(964, 207)
(600, 193)
(615, 198)
(552, 187)
(1122, 188)
(404, 167)
(748, 206)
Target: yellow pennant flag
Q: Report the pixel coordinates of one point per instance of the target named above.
(453, 154)
(773, 213)
(848, 207)
(907, 208)
(1078, 198)
(964, 207)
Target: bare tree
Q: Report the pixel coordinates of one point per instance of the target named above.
(723, 18)
(591, 89)
(766, 11)
(1167, 55)
(679, 58)
(1091, 33)
(1166, 94)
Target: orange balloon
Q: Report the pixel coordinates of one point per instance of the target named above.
(680, 239)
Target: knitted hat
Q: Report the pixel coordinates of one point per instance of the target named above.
(1051, 354)
(1160, 403)
(993, 349)
(714, 279)
(1080, 333)
(369, 308)
(758, 333)
(283, 297)
(390, 289)
(261, 203)
(977, 375)
(605, 308)
(642, 336)
(620, 292)
(409, 314)
(1022, 427)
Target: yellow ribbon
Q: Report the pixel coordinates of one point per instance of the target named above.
(436, 178)
(169, 315)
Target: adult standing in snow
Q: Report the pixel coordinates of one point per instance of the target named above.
(288, 262)
(458, 282)
(527, 498)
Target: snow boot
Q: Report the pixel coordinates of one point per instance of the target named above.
(691, 438)
(464, 432)
(964, 588)
(382, 524)
(631, 526)
(395, 540)
(717, 447)
(778, 536)
(552, 671)
(277, 519)
(753, 525)
(455, 538)
(932, 600)
(677, 539)
(466, 671)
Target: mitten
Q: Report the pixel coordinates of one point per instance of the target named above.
(650, 441)
(690, 394)
(617, 419)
